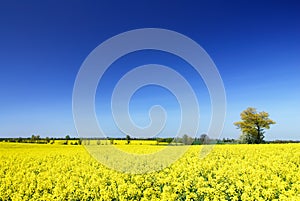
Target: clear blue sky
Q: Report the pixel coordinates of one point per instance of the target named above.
(254, 44)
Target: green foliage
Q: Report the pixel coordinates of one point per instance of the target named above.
(204, 139)
(253, 124)
(47, 139)
(128, 138)
(187, 140)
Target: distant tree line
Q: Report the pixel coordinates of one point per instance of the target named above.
(184, 140)
(39, 140)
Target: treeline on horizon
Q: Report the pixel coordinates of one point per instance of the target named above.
(184, 140)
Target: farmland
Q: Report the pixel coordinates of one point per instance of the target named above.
(228, 172)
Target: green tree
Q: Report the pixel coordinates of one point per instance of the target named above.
(169, 140)
(19, 139)
(128, 139)
(67, 139)
(159, 140)
(187, 140)
(253, 124)
(204, 139)
(35, 138)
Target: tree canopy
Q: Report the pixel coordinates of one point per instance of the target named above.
(253, 124)
(128, 138)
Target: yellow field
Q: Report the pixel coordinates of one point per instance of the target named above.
(229, 172)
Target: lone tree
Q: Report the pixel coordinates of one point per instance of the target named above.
(128, 139)
(187, 140)
(204, 139)
(253, 124)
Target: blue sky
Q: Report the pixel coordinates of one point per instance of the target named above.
(254, 44)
